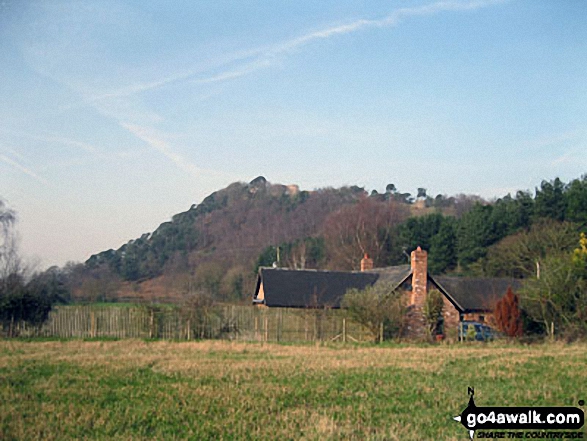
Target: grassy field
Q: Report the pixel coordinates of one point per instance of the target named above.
(132, 389)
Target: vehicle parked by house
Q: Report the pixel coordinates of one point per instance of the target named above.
(475, 331)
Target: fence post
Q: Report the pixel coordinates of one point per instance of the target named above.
(266, 328)
(151, 325)
(381, 332)
(344, 330)
(278, 323)
(92, 324)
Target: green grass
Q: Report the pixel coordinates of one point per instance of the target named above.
(133, 389)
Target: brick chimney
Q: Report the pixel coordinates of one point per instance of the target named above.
(419, 261)
(415, 320)
(366, 263)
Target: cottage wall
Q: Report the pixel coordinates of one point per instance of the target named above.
(481, 317)
(450, 314)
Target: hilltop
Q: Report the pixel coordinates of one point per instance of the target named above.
(217, 245)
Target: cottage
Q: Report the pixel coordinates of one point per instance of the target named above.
(464, 298)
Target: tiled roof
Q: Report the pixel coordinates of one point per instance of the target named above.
(312, 288)
(393, 275)
(309, 288)
(474, 293)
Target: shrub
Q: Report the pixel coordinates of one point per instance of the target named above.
(433, 311)
(375, 307)
(508, 316)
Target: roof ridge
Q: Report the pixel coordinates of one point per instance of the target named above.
(315, 270)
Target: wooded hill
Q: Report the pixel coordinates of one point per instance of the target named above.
(216, 246)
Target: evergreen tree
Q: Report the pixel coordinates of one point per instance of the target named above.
(443, 248)
(550, 201)
(475, 234)
(576, 201)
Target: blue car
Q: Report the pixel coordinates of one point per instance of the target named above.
(481, 332)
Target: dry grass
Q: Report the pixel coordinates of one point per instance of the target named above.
(134, 389)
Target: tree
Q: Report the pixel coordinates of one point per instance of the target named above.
(7, 217)
(359, 229)
(99, 284)
(520, 255)
(52, 285)
(576, 201)
(196, 309)
(421, 193)
(508, 316)
(208, 277)
(580, 256)
(9, 260)
(236, 284)
(525, 204)
(436, 234)
(476, 232)
(558, 297)
(443, 248)
(375, 307)
(267, 257)
(19, 301)
(550, 201)
(433, 312)
(507, 216)
(418, 231)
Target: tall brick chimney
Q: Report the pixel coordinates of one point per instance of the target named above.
(419, 261)
(366, 263)
(416, 322)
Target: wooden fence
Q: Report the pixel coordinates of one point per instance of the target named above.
(246, 323)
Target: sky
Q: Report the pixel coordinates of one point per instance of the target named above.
(115, 115)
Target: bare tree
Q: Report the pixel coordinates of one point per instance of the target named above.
(197, 309)
(359, 229)
(380, 308)
(8, 255)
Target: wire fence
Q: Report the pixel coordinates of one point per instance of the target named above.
(233, 322)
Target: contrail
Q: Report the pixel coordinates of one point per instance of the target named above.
(262, 57)
(22, 168)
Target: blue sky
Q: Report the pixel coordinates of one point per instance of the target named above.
(116, 115)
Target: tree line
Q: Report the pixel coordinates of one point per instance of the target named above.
(499, 238)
